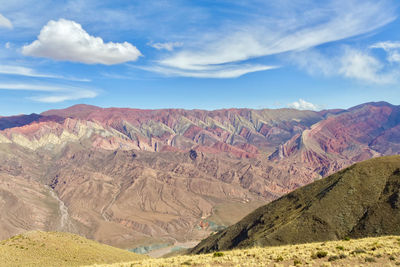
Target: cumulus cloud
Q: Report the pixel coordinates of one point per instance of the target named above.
(303, 105)
(54, 93)
(275, 35)
(169, 46)
(5, 22)
(67, 40)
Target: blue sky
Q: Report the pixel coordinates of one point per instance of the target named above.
(208, 54)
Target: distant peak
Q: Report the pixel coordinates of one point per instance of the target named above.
(73, 111)
(82, 107)
(375, 104)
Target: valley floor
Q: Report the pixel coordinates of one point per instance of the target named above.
(381, 251)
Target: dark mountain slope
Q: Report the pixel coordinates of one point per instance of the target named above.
(362, 200)
(21, 120)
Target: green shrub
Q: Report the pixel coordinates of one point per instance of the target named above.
(333, 258)
(370, 259)
(296, 262)
(340, 248)
(218, 254)
(321, 254)
(346, 238)
(280, 258)
(358, 251)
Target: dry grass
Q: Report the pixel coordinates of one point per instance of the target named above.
(58, 249)
(382, 251)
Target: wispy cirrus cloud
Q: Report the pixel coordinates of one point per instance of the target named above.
(5, 22)
(67, 40)
(391, 48)
(169, 46)
(353, 63)
(298, 29)
(218, 72)
(54, 93)
(29, 72)
(75, 95)
(361, 65)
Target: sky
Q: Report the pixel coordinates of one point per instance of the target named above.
(203, 54)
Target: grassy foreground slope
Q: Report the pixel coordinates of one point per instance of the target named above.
(360, 201)
(378, 251)
(38, 248)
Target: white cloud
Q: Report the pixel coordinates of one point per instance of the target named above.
(299, 29)
(55, 93)
(391, 48)
(169, 46)
(315, 62)
(65, 96)
(7, 45)
(30, 87)
(67, 40)
(24, 71)
(387, 46)
(363, 66)
(303, 105)
(348, 62)
(218, 72)
(5, 22)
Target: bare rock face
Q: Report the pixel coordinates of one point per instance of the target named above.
(360, 133)
(241, 132)
(129, 177)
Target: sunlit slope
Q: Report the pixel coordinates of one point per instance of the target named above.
(58, 249)
(380, 251)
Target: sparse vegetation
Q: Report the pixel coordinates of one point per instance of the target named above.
(289, 255)
(333, 258)
(296, 262)
(58, 249)
(218, 254)
(319, 254)
(358, 251)
(370, 259)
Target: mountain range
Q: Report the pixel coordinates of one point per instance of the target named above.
(130, 177)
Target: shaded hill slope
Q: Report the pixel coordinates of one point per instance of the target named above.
(362, 200)
(59, 249)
